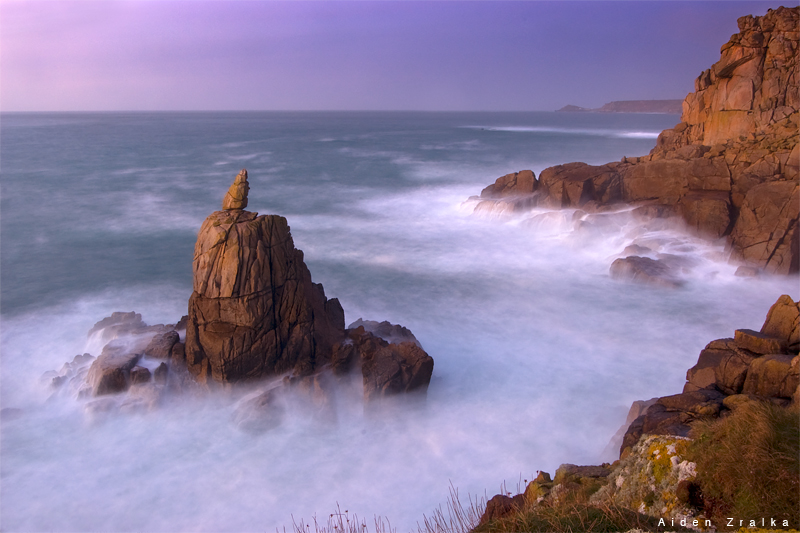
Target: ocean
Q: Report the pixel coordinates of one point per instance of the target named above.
(538, 352)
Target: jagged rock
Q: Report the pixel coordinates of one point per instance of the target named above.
(648, 479)
(770, 376)
(178, 354)
(255, 311)
(236, 197)
(122, 321)
(139, 375)
(766, 230)
(758, 343)
(500, 506)
(644, 270)
(570, 472)
(519, 183)
(161, 345)
(391, 333)
(730, 168)
(181, 325)
(724, 364)
(390, 369)
(671, 415)
(783, 322)
(110, 372)
(577, 184)
(160, 374)
(638, 408)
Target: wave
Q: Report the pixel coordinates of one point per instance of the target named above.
(572, 131)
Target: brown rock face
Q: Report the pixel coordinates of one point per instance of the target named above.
(760, 366)
(643, 270)
(254, 310)
(387, 368)
(783, 322)
(730, 168)
(111, 371)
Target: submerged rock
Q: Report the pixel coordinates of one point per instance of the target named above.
(644, 270)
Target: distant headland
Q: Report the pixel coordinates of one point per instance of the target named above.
(631, 106)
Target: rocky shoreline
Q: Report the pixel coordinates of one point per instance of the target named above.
(255, 319)
(653, 476)
(729, 170)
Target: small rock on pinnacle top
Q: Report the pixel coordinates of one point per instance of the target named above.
(236, 197)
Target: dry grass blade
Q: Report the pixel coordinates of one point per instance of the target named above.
(458, 518)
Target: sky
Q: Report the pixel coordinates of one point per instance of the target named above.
(153, 55)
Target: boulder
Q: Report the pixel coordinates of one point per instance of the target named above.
(236, 197)
(139, 375)
(771, 376)
(254, 311)
(390, 369)
(515, 184)
(644, 270)
(160, 374)
(783, 322)
(570, 472)
(178, 354)
(161, 345)
(722, 364)
(110, 372)
(501, 506)
(119, 322)
(759, 343)
(391, 333)
(671, 415)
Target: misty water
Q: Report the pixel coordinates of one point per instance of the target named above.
(538, 353)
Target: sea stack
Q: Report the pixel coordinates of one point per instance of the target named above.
(254, 311)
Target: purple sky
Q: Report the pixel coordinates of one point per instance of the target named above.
(305, 55)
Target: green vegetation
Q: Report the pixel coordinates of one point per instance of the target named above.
(571, 515)
(748, 464)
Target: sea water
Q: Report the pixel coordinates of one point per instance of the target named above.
(538, 352)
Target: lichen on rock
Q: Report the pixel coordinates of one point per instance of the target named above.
(648, 479)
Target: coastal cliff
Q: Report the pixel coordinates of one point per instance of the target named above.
(681, 457)
(630, 106)
(730, 169)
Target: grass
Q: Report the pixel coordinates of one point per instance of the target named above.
(573, 517)
(748, 464)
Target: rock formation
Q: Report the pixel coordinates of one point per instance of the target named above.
(730, 169)
(753, 365)
(653, 477)
(254, 311)
(630, 106)
(236, 197)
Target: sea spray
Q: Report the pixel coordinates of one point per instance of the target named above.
(538, 352)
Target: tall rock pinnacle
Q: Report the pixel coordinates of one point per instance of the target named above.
(236, 197)
(254, 311)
